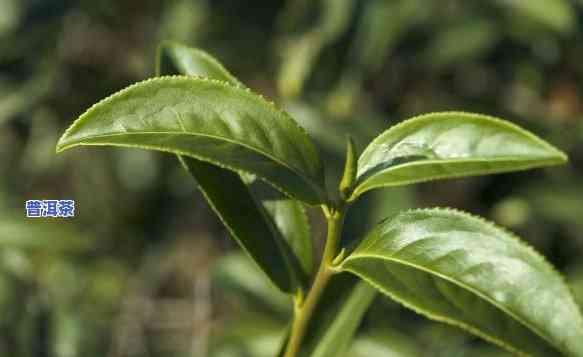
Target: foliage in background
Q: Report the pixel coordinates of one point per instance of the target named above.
(58, 57)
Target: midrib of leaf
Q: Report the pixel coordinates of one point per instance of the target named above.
(536, 162)
(371, 167)
(475, 117)
(180, 59)
(356, 256)
(187, 133)
(311, 181)
(240, 91)
(439, 318)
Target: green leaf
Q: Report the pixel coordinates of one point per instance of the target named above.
(246, 221)
(210, 121)
(174, 58)
(447, 145)
(337, 316)
(288, 215)
(459, 269)
(291, 220)
(349, 175)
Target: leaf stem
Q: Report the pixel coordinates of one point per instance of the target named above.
(304, 309)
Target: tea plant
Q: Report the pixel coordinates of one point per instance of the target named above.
(442, 263)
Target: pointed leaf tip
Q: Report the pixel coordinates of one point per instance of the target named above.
(211, 121)
(283, 217)
(449, 145)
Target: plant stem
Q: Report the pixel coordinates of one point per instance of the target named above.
(303, 310)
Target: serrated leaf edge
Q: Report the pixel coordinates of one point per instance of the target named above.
(471, 116)
(440, 318)
(60, 148)
(561, 157)
(170, 46)
(462, 325)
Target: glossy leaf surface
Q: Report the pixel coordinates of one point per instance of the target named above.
(447, 145)
(210, 121)
(287, 214)
(462, 270)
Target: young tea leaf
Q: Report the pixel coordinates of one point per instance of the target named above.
(349, 175)
(210, 121)
(174, 58)
(447, 145)
(459, 269)
(287, 214)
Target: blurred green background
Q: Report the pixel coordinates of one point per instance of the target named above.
(146, 269)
